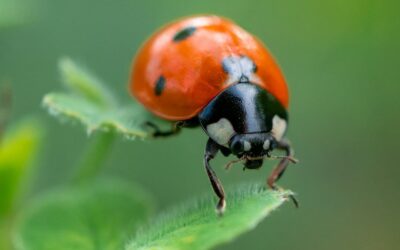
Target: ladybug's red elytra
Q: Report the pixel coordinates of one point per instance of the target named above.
(208, 71)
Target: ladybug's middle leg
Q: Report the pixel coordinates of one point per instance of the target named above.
(212, 149)
(175, 129)
(279, 170)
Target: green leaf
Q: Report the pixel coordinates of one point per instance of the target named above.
(96, 216)
(196, 226)
(17, 152)
(85, 84)
(91, 103)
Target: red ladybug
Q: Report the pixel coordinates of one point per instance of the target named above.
(208, 71)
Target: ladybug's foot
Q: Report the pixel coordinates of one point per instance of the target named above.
(290, 196)
(221, 205)
(175, 128)
(294, 200)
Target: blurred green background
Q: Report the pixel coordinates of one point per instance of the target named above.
(341, 62)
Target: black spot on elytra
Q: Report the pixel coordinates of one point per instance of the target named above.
(184, 33)
(160, 84)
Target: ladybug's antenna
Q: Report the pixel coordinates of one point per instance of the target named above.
(229, 165)
(290, 158)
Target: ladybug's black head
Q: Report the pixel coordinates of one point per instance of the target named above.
(252, 148)
(243, 118)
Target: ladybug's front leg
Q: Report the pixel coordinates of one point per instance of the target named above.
(212, 149)
(281, 167)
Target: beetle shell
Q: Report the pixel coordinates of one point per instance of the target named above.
(182, 67)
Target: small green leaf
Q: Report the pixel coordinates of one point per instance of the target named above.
(196, 226)
(17, 151)
(127, 121)
(92, 104)
(85, 84)
(96, 216)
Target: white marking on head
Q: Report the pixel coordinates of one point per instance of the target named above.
(221, 131)
(246, 66)
(246, 146)
(266, 144)
(238, 67)
(278, 127)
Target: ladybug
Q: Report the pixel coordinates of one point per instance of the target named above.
(207, 71)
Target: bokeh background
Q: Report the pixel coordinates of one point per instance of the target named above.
(341, 61)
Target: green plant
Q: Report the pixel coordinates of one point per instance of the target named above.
(17, 152)
(89, 213)
(195, 225)
(98, 215)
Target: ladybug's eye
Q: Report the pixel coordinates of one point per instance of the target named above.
(238, 146)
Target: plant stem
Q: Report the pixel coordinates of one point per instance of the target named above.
(94, 157)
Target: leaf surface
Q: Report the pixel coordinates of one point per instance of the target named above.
(98, 215)
(196, 226)
(89, 102)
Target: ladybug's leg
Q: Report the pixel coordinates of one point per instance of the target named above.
(212, 149)
(281, 167)
(175, 128)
